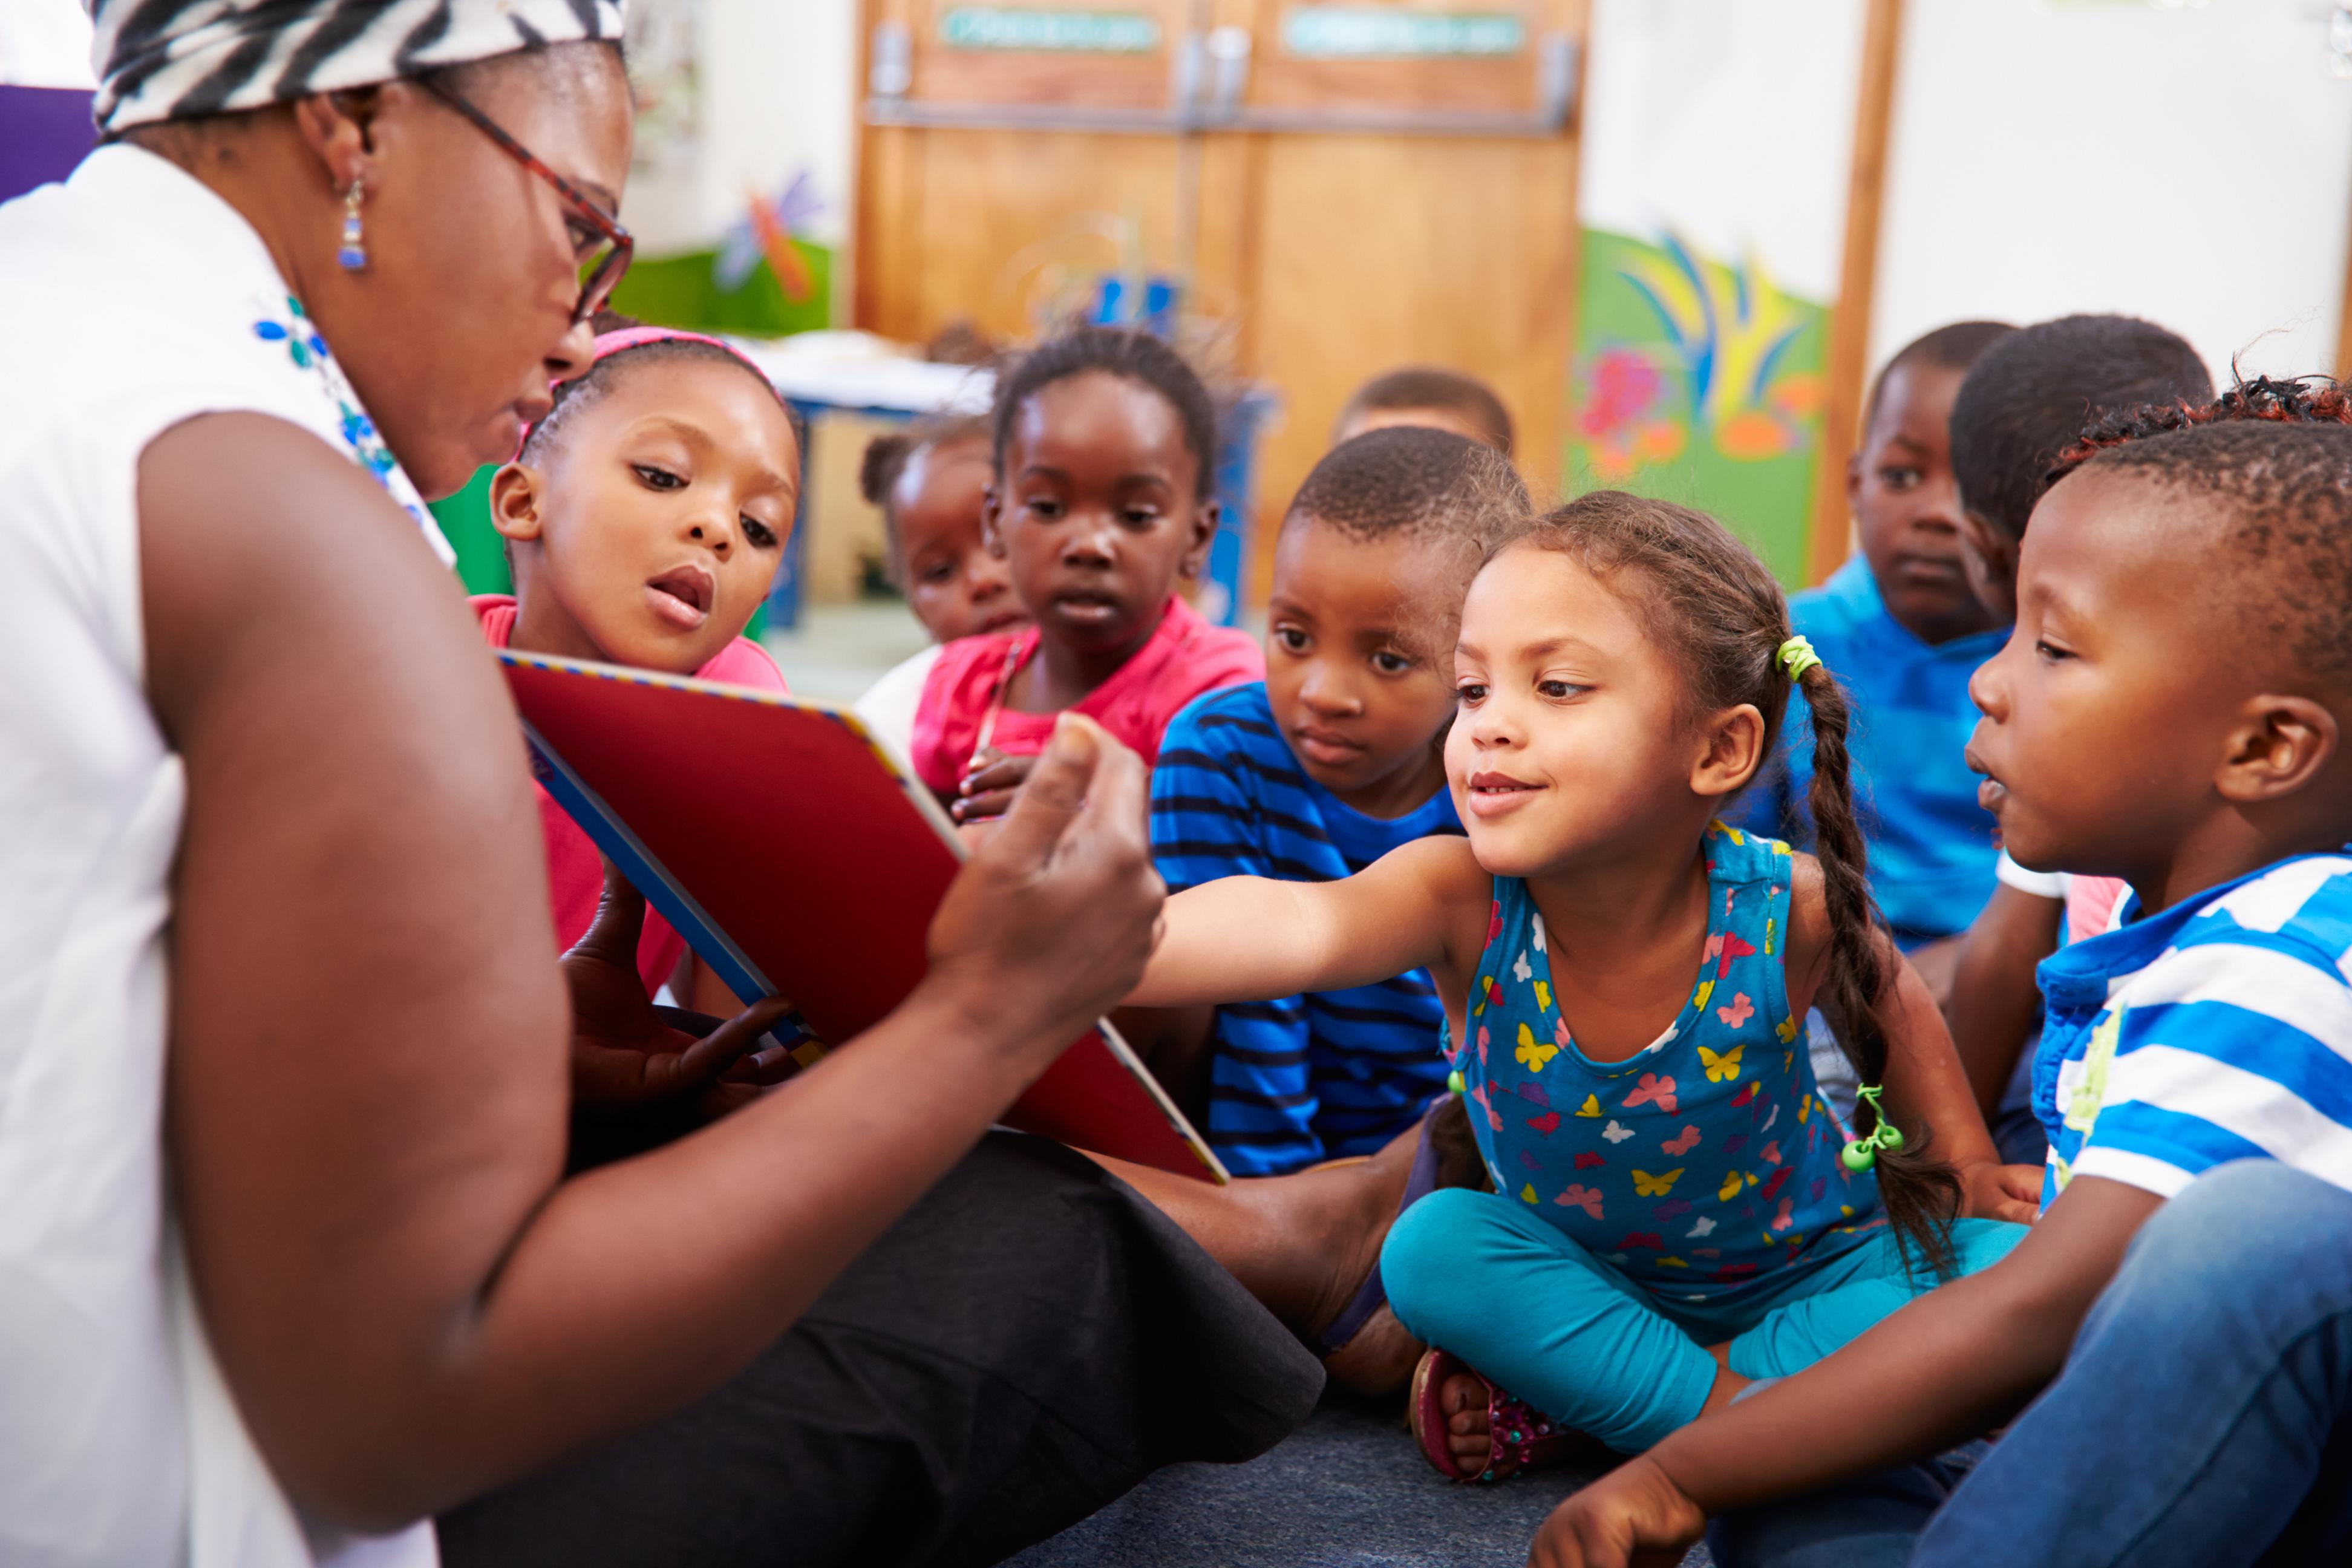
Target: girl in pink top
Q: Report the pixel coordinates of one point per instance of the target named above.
(1103, 444)
(645, 518)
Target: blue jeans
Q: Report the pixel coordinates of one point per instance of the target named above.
(1489, 1279)
(2204, 1419)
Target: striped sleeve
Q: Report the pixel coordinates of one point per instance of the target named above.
(1205, 818)
(2236, 1044)
(1208, 821)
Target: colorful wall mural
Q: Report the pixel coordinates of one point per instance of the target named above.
(1698, 380)
(1711, 197)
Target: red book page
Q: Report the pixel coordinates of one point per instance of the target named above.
(809, 853)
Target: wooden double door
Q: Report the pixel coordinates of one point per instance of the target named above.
(1334, 189)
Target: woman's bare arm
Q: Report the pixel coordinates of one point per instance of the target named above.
(1251, 938)
(367, 1094)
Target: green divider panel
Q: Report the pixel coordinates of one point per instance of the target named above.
(684, 292)
(465, 519)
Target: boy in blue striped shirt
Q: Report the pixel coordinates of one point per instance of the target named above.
(2172, 710)
(1332, 762)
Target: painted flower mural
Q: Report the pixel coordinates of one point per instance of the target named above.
(1699, 380)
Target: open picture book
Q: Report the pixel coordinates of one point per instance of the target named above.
(799, 858)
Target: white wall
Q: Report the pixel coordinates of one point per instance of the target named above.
(777, 94)
(783, 95)
(2186, 162)
(1733, 125)
(44, 43)
(2192, 162)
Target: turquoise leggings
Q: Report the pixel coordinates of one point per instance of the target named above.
(1489, 1279)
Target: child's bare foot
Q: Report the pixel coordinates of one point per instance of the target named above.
(1454, 1413)
(1462, 1400)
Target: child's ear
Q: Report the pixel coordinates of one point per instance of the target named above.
(2279, 745)
(1735, 749)
(1196, 548)
(1852, 482)
(514, 503)
(992, 517)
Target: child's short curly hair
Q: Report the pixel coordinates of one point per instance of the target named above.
(887, 455)
(1434, 386)
(2028, 395)
(1129, 354)
(884, 463)
(1409, 480)
(2274, 456)
(2299, 400)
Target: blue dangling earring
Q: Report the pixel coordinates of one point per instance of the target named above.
(352, 254)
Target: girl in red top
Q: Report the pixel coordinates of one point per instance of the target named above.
(646, 517)
(1104, 442)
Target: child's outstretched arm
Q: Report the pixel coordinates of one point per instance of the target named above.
(1925, 1087)
(1958, 1360)
(1253, 939)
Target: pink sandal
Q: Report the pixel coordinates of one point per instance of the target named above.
(1517, 1432)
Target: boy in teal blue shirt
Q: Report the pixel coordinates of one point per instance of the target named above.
(1901, 627)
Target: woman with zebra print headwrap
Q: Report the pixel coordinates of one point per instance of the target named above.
(287, 1248)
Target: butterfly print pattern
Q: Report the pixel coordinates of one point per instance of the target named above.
(1686, 1140)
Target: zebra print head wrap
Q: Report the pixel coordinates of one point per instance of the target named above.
(180, 59)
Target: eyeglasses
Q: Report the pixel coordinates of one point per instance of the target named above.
(602, 263)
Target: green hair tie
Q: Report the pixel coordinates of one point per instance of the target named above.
(1796, 656)
(1861, 1153)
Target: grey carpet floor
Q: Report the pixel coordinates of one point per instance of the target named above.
(1349, 1489)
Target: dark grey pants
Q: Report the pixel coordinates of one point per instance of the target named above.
(1027, 1343)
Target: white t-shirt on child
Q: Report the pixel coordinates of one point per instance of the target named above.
(2040, 884)
(889, 704)
(2092, 902)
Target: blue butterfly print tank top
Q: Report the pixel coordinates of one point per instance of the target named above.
(1699, 1164)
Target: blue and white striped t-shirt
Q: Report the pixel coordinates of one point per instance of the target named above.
(2219, 1029)
(1307, 1078)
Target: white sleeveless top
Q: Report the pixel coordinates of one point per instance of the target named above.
(137, 299)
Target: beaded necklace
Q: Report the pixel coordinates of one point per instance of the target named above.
(308, 351)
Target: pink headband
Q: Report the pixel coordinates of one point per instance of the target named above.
(637, 337)
(610, 344)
